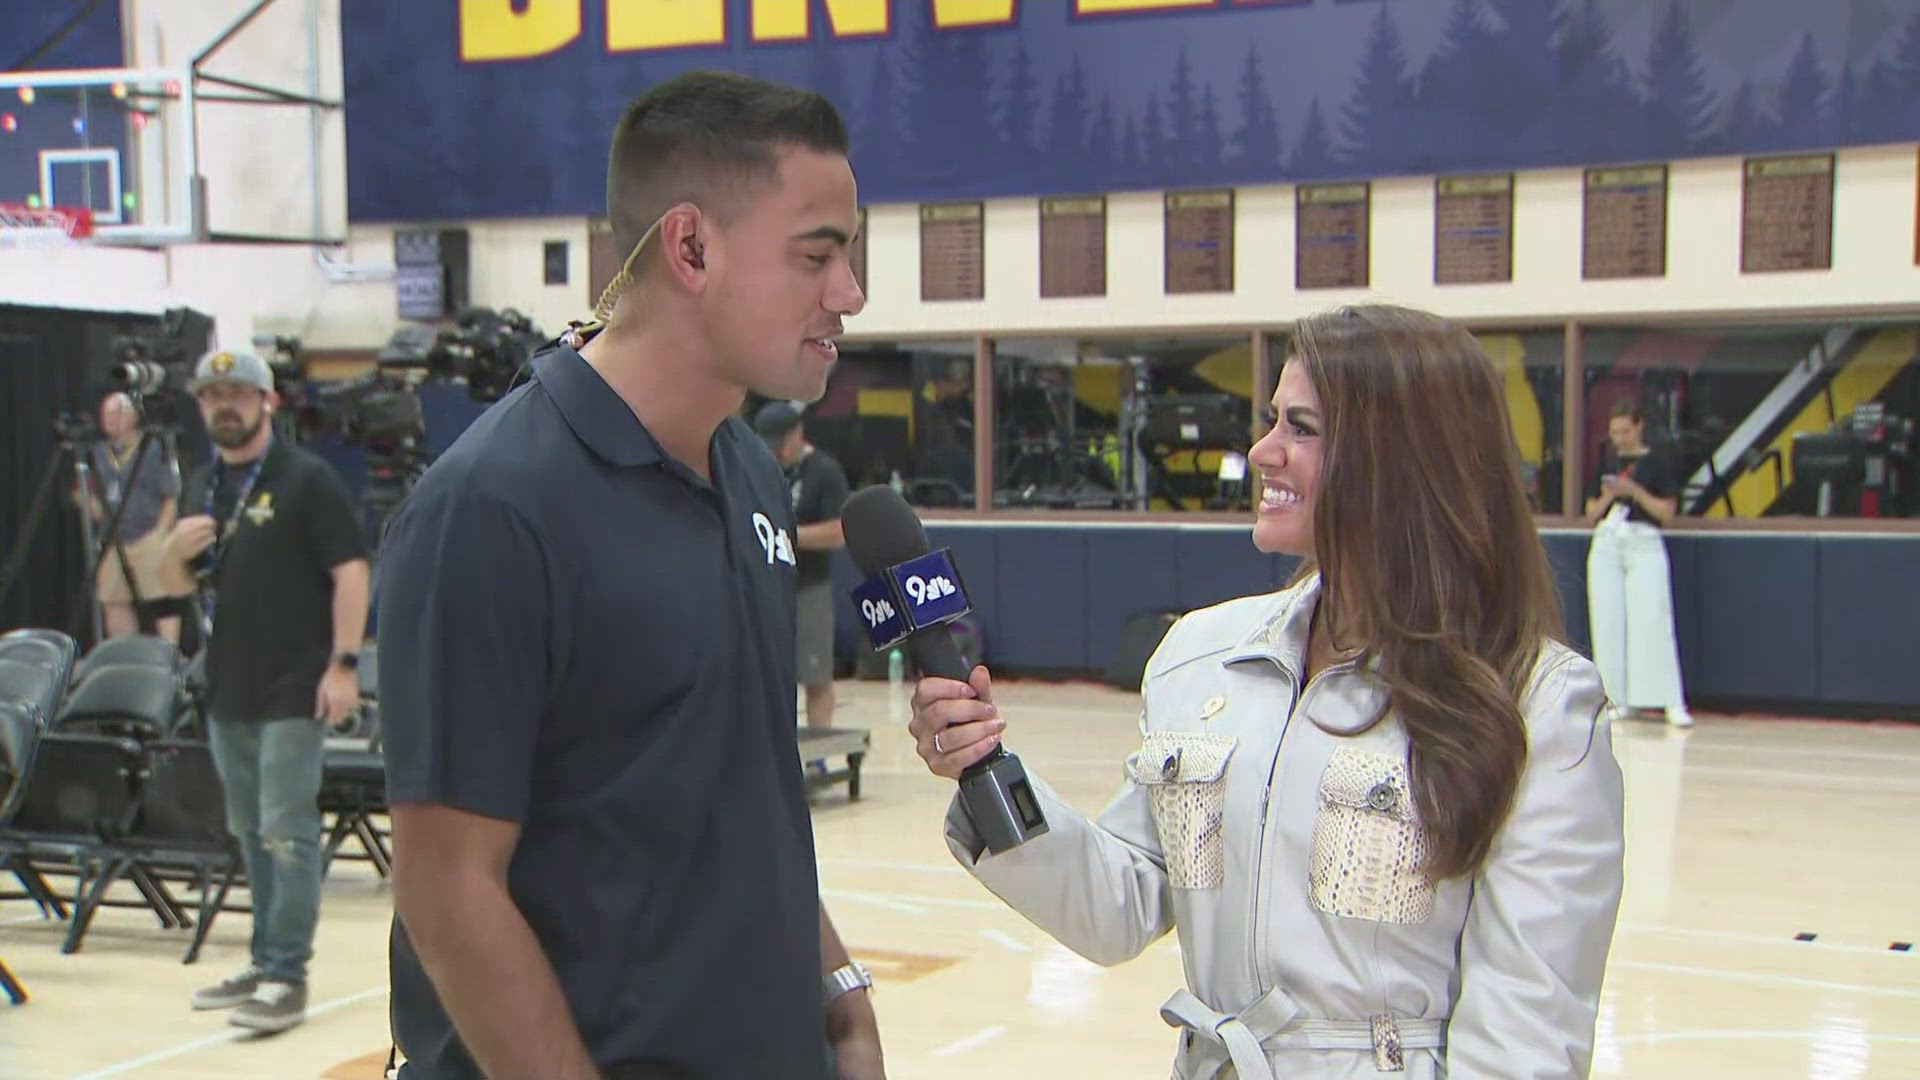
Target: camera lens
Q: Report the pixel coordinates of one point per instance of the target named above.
(139, 376)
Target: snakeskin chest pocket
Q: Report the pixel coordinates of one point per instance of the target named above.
(1185, 773)
(1369, 849)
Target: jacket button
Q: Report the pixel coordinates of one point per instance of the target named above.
(1213, 705)
(1382, 796)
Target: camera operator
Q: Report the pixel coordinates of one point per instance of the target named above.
(130, 573)
(277, 546)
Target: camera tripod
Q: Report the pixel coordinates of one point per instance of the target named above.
(72, 449)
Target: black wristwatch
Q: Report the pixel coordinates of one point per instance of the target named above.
(348, 660)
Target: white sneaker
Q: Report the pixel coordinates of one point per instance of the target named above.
(1678, 716)
(1617, 713)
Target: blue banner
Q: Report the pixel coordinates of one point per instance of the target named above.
(483, 108)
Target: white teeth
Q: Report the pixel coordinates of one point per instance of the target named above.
(1276, 498)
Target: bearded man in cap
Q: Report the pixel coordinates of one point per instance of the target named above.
(278, 556)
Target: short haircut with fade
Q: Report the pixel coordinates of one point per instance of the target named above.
(708, 137)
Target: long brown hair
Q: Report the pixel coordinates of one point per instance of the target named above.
(1426, 547)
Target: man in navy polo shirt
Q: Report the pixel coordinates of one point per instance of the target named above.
(604, 864)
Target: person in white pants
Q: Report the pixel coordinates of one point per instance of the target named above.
(1629, 584)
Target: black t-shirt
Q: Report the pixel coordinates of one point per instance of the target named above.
(820, 489)
(580, 635)
(272, 586)
(1653, 470)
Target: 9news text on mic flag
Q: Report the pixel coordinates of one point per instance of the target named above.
(921, 592)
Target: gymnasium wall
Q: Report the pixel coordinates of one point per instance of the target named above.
(1814, 623)
(260, 179)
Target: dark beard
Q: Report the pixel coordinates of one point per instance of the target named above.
(230, 438)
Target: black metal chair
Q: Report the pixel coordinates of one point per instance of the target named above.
(182, 828)
(353, 788)
(139, 700)
(145, 650)
(84, 799)
(80, 799)
(52, 646)
(33, 674)
(19, 738)
(33, 683)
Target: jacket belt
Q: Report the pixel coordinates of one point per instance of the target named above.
(1275, 1022)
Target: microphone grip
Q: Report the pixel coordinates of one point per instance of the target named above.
(935, 653)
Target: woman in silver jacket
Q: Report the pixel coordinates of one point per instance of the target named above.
(1380, 806)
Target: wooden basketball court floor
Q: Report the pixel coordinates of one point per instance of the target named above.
(1743, 834)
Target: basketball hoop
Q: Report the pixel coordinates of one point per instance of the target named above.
(46, 226)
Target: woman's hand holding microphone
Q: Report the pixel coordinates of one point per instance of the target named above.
(955, 724)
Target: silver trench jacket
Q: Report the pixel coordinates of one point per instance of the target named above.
(1281, 842)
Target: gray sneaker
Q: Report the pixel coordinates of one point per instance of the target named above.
(274, 1007)
(231, 992)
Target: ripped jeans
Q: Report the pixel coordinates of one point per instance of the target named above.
(271, 772)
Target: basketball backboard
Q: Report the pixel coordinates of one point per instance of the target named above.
(117, 143)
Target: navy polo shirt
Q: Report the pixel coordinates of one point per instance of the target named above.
(581, 635)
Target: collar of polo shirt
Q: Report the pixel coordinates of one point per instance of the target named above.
(595, 412)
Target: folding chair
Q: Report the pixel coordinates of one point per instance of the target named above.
(143, 650)
(182, 826)
(80, 797)
(19, 738)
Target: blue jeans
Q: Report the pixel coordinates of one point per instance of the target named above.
(271, 772)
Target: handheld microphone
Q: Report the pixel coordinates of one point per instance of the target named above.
(883, 533)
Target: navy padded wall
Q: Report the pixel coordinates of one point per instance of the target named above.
(1756, 629)
(1867, 619)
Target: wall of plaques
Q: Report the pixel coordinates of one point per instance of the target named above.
(1073, 246)
(1199, 241)
(1473, 229)
(1786, 213)
(953, 251)
(1624, 223)
(1332, 248)
(1790, 206)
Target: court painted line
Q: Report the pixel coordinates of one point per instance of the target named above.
(972, 1042)
(874, 900)
(948, 870)
(1001, 937)
(1654, 1038)
(227, 1036)
(1877, 758)
(1762, 939)
(22, 920)
(1852, 781)
(1763, 980)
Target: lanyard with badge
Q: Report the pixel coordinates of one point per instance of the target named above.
(224, 535)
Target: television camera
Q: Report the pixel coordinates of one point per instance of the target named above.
(1862, 467)
(380, 412)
